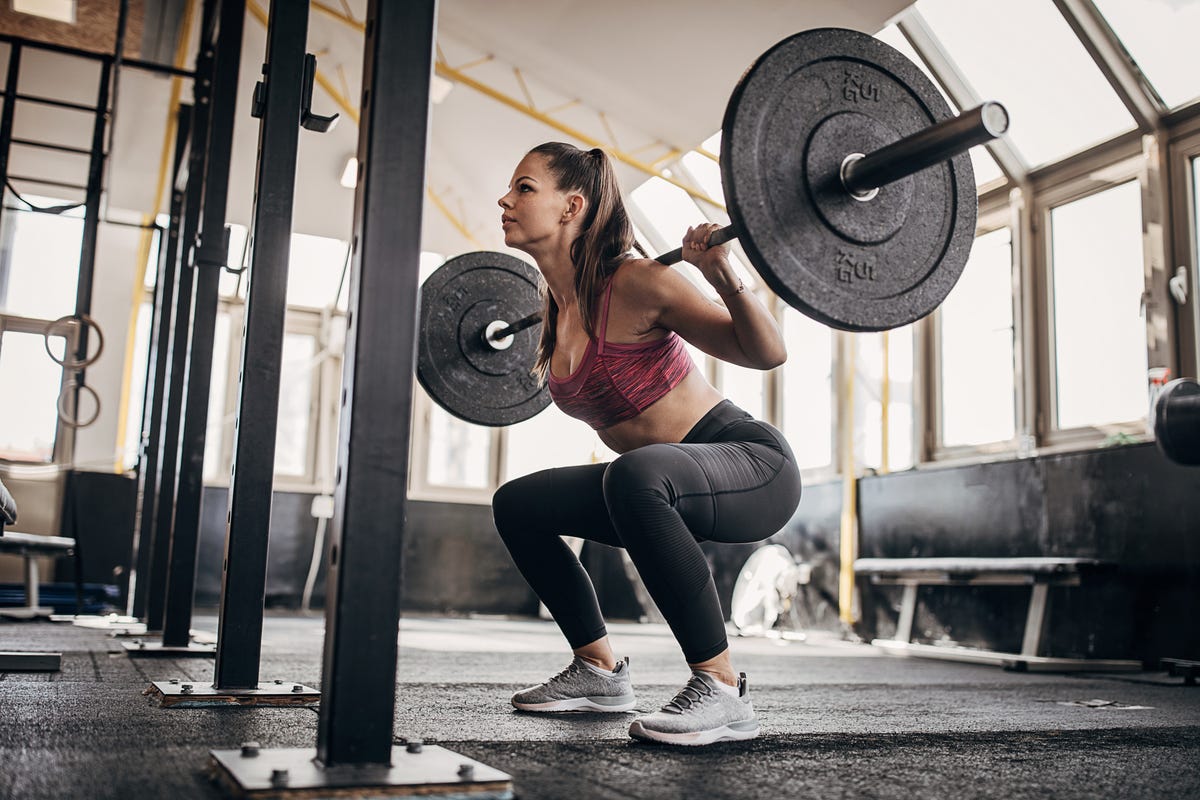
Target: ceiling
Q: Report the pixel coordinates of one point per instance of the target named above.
(642, 78)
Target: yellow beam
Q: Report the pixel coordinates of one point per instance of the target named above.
(340, 16)
(848, 536)
(475, 63)
(885, 400)
(143, 256)
(449, 73)
(524, 88)
(458, 76)
(454, 220)
(708, 155)
(351, 111)
(670, 155)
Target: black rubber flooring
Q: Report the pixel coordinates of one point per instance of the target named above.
(839, 720)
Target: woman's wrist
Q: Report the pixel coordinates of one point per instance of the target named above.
(730, 290)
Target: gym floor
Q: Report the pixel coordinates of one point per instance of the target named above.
(839, 720)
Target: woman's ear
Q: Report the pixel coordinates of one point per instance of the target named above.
(575, 206)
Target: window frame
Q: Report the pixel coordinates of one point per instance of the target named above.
(1106, 174)
(63, 452)
(419, 487)
(992, 218)
(1184, 246)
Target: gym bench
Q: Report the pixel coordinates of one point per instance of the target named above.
(29, 546)
(1039, 574)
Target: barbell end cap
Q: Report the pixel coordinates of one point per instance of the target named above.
(492, 335)
(995, 118)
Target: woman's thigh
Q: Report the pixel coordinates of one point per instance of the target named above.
(729, 491)
(563, 501)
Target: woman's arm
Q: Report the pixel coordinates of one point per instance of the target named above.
(741, 330)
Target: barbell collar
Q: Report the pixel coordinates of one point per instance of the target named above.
(513, 327)
(933, 145)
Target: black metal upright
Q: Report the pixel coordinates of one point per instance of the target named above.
(177, 326)
(156, 374)
(220, 56)
(91, 219)
(6, 116)
(243, 583)
(362, 613)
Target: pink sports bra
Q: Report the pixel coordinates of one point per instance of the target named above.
(616, 381)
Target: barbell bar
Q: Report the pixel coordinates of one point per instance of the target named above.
(864, 243)
(861, 177)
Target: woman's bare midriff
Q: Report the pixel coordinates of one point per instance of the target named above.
(668, 420)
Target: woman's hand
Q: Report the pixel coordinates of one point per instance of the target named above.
(713, 262)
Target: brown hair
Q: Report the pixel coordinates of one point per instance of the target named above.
(604, 241)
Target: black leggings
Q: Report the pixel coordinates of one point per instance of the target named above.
(732, 479)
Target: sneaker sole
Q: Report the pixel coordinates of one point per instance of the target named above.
(722, 734)
(577, 704)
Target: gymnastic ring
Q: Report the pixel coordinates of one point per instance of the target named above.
(62, 411)
(69, 363)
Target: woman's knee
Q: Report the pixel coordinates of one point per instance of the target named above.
(514, 505)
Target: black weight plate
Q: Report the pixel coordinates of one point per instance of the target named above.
(805, 105)
(464, 375)
(1177, 421)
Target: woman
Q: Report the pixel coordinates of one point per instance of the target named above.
(693, 467)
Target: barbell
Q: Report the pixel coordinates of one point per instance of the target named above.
(848, 185)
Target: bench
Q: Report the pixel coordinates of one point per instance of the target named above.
(28, 546)
(1038, 573)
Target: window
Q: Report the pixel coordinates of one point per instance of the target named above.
(1099, 334)
(30, 415)
(459, 453)
(132, 446)
(297, 379)
(870, 396)
(220, 414)
(1023, 54)
(58, 10)
(314, 270)
(39, 275)
(985, 167)
(808, 390)
(745, 387)
(1161, 36)
(668, 212)
(976, 348)
(551, 439)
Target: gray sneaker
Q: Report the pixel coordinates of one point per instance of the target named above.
(702, 713)
(580, 687)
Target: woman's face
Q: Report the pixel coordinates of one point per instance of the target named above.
(534, 209)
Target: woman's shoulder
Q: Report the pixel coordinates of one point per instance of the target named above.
(645, 281)
(639, 275)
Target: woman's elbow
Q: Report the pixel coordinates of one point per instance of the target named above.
(769, 359)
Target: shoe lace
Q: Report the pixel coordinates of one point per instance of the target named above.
(569, 671)
(691, 694)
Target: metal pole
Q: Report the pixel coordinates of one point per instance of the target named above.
(243, 582)
(362, 609)
(215, 97)
(6, 117)
(91, 221)
(168, 450)
(149, 550)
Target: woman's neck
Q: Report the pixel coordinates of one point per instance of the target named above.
(559, 272)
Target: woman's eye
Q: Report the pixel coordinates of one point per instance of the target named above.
(524, 187)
